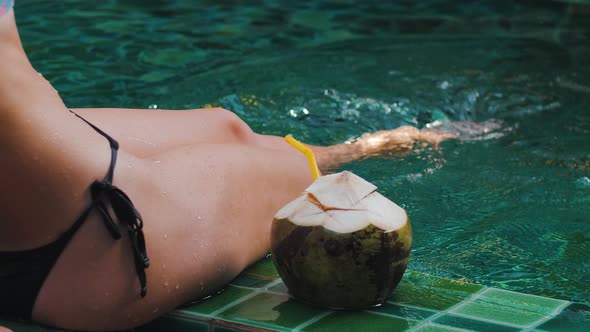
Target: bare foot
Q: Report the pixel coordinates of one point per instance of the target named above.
(402, 140)
(470, 131)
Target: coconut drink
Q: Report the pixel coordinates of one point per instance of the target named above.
(341, 244)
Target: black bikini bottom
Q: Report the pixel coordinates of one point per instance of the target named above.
(22, 273)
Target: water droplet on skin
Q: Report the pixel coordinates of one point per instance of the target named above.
(166, 284)
(165, 236)
(177, 287)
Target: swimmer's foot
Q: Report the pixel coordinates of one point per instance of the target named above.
(402, 140)
(398, 141)
(470, 131)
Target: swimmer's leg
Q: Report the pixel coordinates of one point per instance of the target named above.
(149, 132)
(207, 211)
(146, 133)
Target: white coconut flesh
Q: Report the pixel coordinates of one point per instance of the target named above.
(343, 203)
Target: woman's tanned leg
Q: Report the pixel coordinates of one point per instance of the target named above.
(207, 212)
(149, 132)
(146, 133)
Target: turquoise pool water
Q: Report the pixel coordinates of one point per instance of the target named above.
(510, 212)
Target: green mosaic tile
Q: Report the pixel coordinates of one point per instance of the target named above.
(23, 327)
(271, 311)
(263, 269)
(576, 317)
(280, 288)
(353, 321)
(245, 280)
(495, 311)
(217, 328)
(227, 296)
(430, 327)
(471, 324)
(509, 307)
(403, 311)
(174, 324)
(543, 305)
(422, 290)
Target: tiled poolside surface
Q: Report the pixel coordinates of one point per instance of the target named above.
(258, 301)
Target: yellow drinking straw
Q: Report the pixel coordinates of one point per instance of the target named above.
(313, 166)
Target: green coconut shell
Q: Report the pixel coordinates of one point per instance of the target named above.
(355, 270)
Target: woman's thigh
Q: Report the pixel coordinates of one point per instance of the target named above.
(149, 132)
(207, 211)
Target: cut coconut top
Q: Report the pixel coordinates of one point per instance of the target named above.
(343, 203)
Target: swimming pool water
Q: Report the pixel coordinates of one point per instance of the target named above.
(509, 212)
